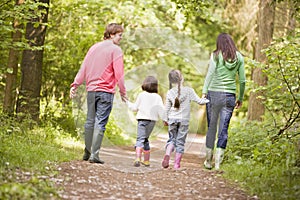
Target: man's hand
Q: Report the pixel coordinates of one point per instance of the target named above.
(72, 92)
(238, 104)
(124, 98)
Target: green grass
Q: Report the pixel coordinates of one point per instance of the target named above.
(28, 158)
(265, 182)
(30, 155)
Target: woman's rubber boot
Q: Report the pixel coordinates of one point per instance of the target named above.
(146, 161)
(178, 157)
(208, 160)
(138, 152)
(97, 142)
(166, 160)
(219, 157)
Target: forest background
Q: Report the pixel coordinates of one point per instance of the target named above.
(44, 42)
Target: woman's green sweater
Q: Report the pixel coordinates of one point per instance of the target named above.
(221, 75)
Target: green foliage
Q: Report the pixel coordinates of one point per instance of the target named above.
(265, 156)
(76, 25)
(250, 140)
(264, 182)
(32, 189)
(281, 95)
(268, 169)
(75, 120)
(54, 113)
(21, 143)
(283, 89)
(29, 156)
(16, 14)
(114, 135)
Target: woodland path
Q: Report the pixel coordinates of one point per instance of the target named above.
(119, 179)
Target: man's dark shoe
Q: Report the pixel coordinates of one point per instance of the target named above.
(94, 160)
(86, 155)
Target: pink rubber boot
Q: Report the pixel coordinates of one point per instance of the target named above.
(146, 161)
(178, 157)
(138, 151)
(169, 150)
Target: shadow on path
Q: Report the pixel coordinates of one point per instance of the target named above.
(121, 158)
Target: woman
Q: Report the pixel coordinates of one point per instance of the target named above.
(102, 69)
(220, 89)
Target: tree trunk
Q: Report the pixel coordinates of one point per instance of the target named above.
(291, 12)
(31, 67)
(12, 70)
(266, 16)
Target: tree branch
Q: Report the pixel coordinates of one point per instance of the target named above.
(274, 119)
(287, 84)
(290, 119)
(289, 124)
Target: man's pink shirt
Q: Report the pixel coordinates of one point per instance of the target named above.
(102, 68)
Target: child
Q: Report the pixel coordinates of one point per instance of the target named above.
(149, 107)
(177, 107)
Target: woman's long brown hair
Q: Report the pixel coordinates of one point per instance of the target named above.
(226, 46)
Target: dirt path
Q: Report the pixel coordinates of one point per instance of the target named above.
(119, 179)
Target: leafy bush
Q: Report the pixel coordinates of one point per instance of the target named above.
(251, 140)
(283, 89)
(264, 167)
(114, 134)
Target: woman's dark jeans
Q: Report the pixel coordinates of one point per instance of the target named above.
(219, 109)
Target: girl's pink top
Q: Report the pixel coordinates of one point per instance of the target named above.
(102, 68)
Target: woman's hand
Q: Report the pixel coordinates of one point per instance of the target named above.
(238, 104)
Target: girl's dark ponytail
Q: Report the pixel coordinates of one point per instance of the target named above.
(177, 102)
(175, 77)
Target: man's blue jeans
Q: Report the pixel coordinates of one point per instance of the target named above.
(219, 108)
(99, 106)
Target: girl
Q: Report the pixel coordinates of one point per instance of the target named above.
(149, 107)
(178, 102)
(220, 88)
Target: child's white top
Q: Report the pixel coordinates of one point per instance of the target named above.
(148, 106)
(187, 94)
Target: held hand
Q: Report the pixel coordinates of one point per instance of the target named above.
(238, 104)
(124, 98)
(204, 95)
(72, 92)
(166, 123)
